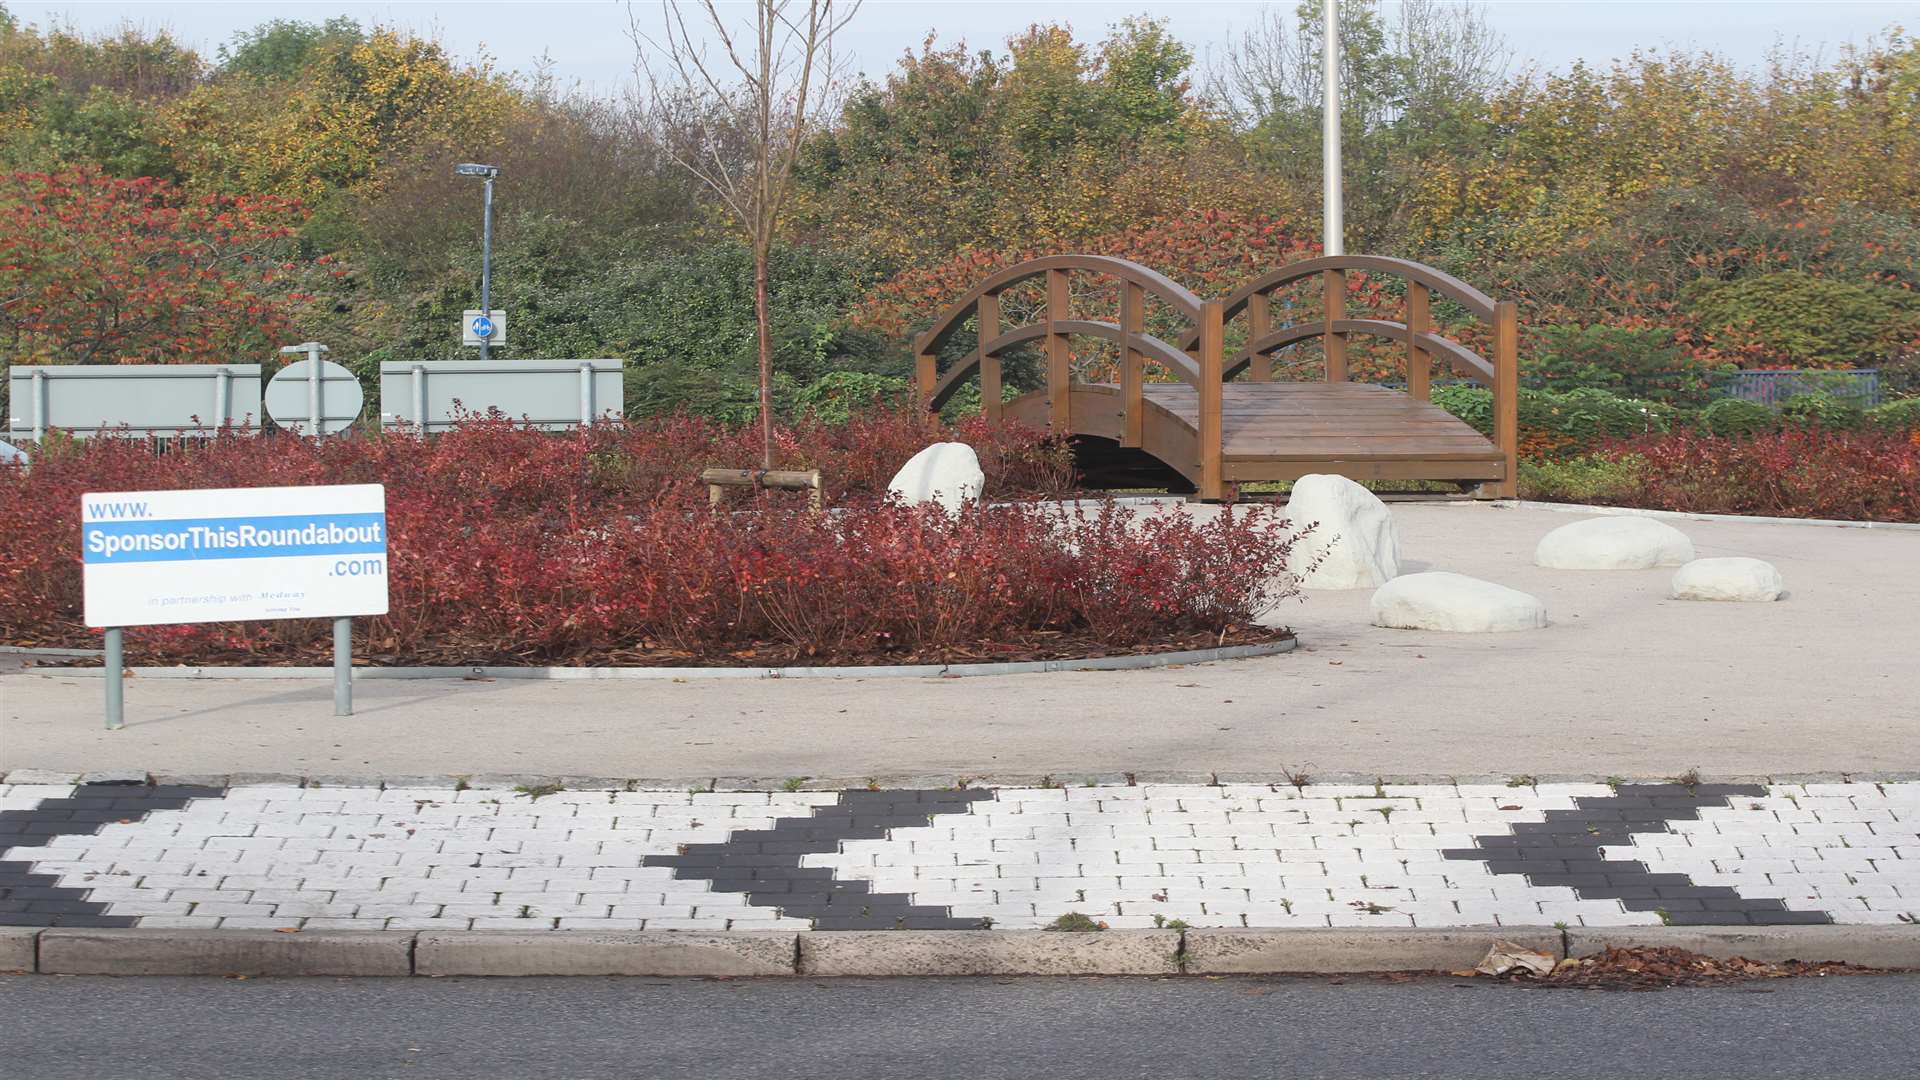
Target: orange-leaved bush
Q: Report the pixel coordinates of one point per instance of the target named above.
(99, 270)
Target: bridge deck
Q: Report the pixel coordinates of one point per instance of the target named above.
(1321, 420)
(1285, 430)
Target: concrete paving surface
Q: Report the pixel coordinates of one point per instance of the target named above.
(979, 1029)
(1625, 682)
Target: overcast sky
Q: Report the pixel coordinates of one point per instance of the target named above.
(585, 39)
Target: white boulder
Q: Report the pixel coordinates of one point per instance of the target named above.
(1728, 579)
(1438, 600)
(947, 473)
(1613, 543)
(1353, 537)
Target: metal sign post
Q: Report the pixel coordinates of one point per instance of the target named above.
(343, 667)
(116, 680)
(488, 173)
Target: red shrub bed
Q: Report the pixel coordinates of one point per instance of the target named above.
(511, 547)
(1860, 476)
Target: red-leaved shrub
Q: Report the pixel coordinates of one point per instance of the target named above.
(515, 547)
(1856, 476)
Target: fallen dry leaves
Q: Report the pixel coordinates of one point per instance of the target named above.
(1660, 968)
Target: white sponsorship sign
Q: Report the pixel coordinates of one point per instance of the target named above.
(231, 554)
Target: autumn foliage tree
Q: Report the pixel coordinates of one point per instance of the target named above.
(95, 269)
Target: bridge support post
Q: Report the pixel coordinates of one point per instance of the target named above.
(1259, 322)
(1419, 321)
(1059, 355)
(1333, 284)
(925, 378)
(1506, 396)
(987, 323)
(1212, 343)
(1133, 367)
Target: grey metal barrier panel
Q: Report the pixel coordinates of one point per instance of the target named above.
(131, 399)
(1773, 386)
(546, 394)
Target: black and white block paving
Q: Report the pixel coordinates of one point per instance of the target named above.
(1232, 855)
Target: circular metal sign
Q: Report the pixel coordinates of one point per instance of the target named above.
(482, 327)
(294, 397)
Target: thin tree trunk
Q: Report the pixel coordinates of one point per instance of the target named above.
(764, 333)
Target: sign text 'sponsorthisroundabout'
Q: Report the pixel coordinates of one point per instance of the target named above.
(231, 554)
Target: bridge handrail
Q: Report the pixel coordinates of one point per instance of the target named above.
(1438, 280)
(1198, 365)
(950, 320)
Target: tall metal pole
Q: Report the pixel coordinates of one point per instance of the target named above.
(1333, 218)
(486, 261)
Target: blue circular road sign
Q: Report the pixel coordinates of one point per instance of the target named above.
(482, 326)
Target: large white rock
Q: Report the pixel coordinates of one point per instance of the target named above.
(1353, 534)
(1438, 600)
(947, 473)
(1613, 543)
(1728, 579)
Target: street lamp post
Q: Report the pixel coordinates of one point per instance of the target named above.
(488, 172)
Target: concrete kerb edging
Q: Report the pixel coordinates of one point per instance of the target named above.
(1132, 662)
(737, 954)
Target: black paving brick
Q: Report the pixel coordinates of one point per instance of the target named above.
(69, 905)
(1570, 881)
(25, 918)
(96, 921)
(1707, 918)
(1787, 918)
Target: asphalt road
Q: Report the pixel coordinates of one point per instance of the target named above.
(54, 1028)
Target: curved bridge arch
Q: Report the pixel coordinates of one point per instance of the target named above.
(1272, 430)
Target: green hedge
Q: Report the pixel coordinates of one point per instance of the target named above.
(1585, 415)
(1807, 320)
(1821, 411)
(1902, 415)
(1739, 417)
(1637, 363)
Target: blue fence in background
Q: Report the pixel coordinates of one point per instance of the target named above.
(1860, 386)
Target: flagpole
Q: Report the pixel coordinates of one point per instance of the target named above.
(1333, 219)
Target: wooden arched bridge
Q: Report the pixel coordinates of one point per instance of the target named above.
(1224, 419)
